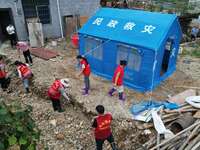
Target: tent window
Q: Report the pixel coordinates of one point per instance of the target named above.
(131, 55)
(94, 48)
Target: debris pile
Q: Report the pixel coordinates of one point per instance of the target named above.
(183, 122)
(186, 139)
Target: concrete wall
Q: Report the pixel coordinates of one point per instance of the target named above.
(68, 7)
(18, 17)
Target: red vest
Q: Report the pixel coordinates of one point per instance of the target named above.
(25, 71)
(53, 91)
(120, 70)
(2, 72)
(103, 129)
(87, 70)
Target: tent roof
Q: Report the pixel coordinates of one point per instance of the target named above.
(136, 27)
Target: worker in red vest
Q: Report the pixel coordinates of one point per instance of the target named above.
(56, 90)
(102, 128)
(4, 80)
(85, 71)
(24, 73)
(118, 80)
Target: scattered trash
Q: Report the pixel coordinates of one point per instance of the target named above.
(182, 122)
(186, 61)
(159, 125)
(53, 122)
(180, 98)
(197, 115)
(54, 43)
(60, 136)
(146, 116)
(146, 105)
(147, 132)
(143, 110)
(194, 101)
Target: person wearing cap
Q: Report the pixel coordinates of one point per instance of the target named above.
(118, 80)
(102, 128)
(56, 90)
(24, 73)
(23, 47)
(85, 71)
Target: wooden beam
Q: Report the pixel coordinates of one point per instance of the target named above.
(183, 131)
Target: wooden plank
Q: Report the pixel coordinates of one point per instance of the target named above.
(177, 135)
(188, 87)
(197, 114)
(83, 20)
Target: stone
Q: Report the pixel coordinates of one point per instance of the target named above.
(53, 122)
(60, 136)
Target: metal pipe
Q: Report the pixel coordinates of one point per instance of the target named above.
(59, 16)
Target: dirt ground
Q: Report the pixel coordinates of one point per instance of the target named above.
(73, 124)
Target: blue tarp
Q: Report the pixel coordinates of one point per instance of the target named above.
(146, 105)
(136, 27)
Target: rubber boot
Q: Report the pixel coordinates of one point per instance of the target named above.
(27, 90)
(110, 93)
(86, 92)
(113, 146)
(121, 96)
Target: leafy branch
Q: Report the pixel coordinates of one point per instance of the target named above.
(17, 128)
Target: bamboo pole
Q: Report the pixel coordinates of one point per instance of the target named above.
(189, 137)
(188, 87)
(183, 131)
(193, 142)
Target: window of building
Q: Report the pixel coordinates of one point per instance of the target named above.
(94, 48)
(131, 55)
(44, 13)
(37, 8)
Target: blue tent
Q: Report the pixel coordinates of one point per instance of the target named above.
(149, 41)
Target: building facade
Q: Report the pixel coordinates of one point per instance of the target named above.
(52, 14)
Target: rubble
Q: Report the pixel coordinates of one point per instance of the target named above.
(71, 129)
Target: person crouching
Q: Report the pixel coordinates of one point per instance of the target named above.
(56, 90)
(24, 73)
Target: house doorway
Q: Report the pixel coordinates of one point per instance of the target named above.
(6, 19)
(166, 57)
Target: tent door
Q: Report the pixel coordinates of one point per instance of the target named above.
(167, 56)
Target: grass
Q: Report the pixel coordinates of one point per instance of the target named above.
(194, 53)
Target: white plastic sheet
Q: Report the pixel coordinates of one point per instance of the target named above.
(159, 125)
